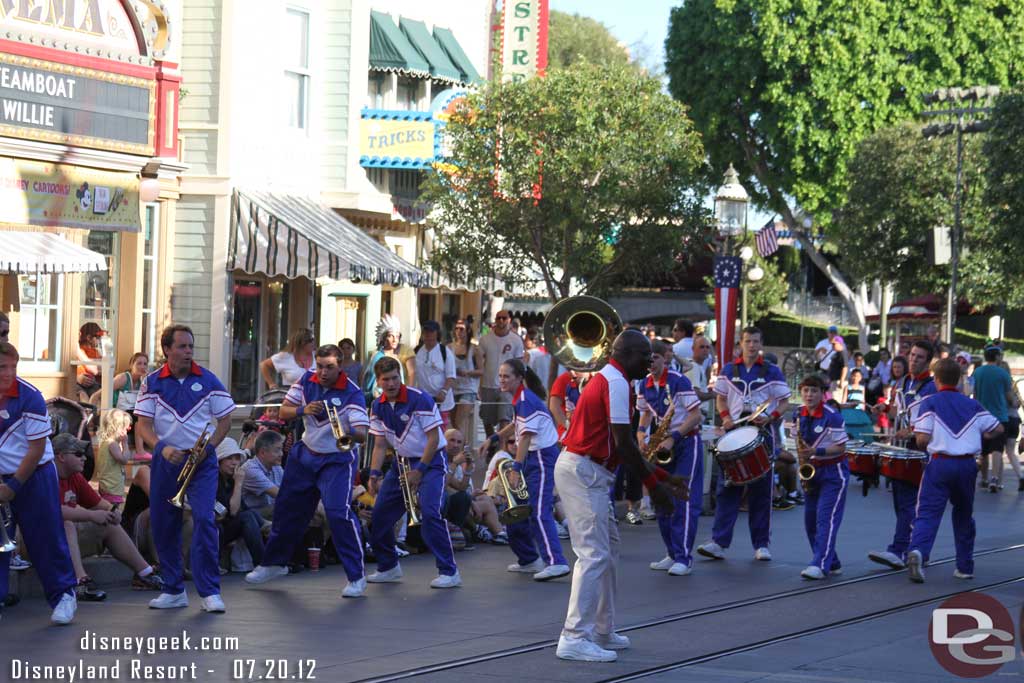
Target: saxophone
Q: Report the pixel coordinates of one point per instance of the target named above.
(652, 453)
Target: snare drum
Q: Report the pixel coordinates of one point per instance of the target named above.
(743, 455)
(863, 458)
(903, 464)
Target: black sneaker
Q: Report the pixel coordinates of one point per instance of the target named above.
(151, 582)
(87, 591)
(633, 517)
(783, 504)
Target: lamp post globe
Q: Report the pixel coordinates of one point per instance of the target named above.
(731, 202)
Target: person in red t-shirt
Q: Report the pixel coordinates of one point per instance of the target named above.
(565, 392)
(90, 523)
(599, 437)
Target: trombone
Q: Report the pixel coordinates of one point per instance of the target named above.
(412, 506)
(6, 519)
(343, 440)
(195, 457)
(518, 508)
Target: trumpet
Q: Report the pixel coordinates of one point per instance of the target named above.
(412, 506)
(6, 519)
(806, 471)
(653, 453)
(518, 509)
(195, 457)
(343, 440)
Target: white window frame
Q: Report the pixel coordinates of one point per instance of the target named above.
(151, 262)
(301, 71)
(113, 273)
(52, 365)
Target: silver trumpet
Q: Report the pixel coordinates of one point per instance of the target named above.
(6, 520)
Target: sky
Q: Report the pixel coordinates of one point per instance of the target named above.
(643, 21)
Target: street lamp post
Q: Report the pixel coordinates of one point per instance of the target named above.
(731, 202)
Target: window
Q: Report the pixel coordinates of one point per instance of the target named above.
(296, 73)
(407, 96)
(39, 326)
(98, 303)
(151, 226)
(426, 307)
(375, 91)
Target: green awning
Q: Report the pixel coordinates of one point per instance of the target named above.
(390, 50)
(446, 39)
(440, 65)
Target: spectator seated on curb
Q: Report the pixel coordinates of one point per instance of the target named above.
(92, 523)
(232, 521)
(263, 474)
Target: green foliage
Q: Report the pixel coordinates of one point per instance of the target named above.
(616, 157)
(786, 89)
(783, 329)
(573, 38)
(1004, 193)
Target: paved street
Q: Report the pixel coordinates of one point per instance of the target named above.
(404, 628)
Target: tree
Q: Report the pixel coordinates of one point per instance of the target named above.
(573, 38)
(1004, 193)
(787, 89)
(573, 177)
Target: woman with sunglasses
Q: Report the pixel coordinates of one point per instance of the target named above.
(535, 456)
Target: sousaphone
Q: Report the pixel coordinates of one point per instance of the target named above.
(579, 332)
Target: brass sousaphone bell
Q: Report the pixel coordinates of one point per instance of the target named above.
(579, 331)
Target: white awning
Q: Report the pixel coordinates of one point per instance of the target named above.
(44, 252)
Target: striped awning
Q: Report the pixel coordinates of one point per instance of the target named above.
(276, 234)
(44, 252)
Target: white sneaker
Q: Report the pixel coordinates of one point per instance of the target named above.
(662, 565)
(957, 574)
(914, 561)
(212, 603)
(890, 560)
(563, 531)
(762, 554)
(613, 641)
(583, 650)
(712, 550)
(263, 574)
(532, 568)
(354, 589)
(64, 612)
(813, 573)
(169, 600)
(392, 575)
(679, 569)
(648, 514)
(446, 581)
(551, 572)
(836, 572)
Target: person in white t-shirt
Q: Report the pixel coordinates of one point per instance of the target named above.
(537, 357)
(824, 347)
(498, 346)
(290, 363)
(433, 368)
(682, 349)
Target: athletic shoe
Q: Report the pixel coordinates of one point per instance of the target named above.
(914, 566)
(680, 569)
(447, 581)
(87, 591)
(762, 554)
(501, 539)
(783, 503)
(354, 589)
(813, 573)
(648, 514)
(64, 612)
(401, 551)
(712, 550)
(551, 572)
(483, 534)
(392, 575)
(169, 600)
(613, 641)
(150, 582)
(212, 603)
(993, 485)
(532, 568)
(838, 571)
(11, 600)
(957, 574)
(634, 518)
(563, 530)
(20, 565)
(662, 565)
(583, 650)
(263, 574)
(888, 559)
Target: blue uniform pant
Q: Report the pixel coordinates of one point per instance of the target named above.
(679, 530)
(823, 512)
(389, 508)
(166, 521)
(759, 504)
(36, 509)
(308, 479)
(539, 532)
(947, 479)
(904, 500)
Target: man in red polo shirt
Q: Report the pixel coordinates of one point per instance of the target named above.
(598, 439)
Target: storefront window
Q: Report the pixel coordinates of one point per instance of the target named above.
(151, 226)
(277, 318)
(426, 307)
(39, 327)
(245, 340)
(98, 304)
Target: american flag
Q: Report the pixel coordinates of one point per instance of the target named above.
(767, 240)
(727, 282)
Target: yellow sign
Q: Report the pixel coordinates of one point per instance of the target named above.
(396, 142)
(63, 196)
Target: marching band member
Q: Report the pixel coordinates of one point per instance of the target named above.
(535, 457)
(951, 427)
(565, 394)
(664, 388)
(598, 438)
(821, 435)
(914, 386)
(28, 487)
(176, 404)
(407, 419)
(317, 470)
(747, 382)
